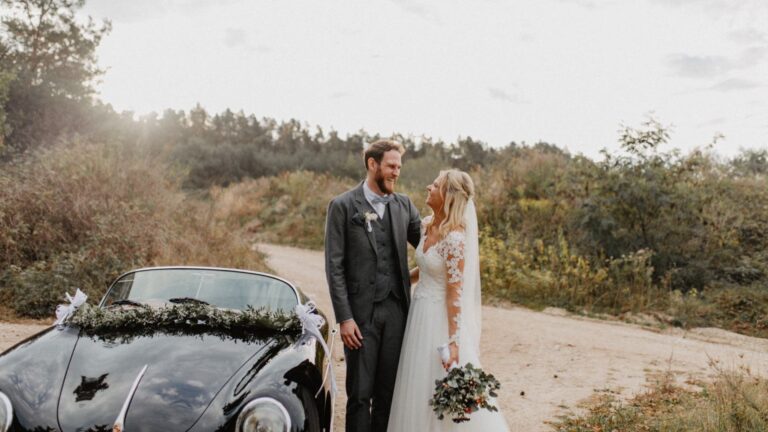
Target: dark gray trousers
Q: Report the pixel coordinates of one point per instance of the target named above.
(372, 369)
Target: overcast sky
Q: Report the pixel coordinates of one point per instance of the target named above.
(567, 72)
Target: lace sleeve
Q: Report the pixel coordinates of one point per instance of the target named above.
(451, 248)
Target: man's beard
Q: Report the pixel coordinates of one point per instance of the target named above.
(383, 186)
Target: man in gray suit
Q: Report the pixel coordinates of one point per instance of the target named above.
(366, 263)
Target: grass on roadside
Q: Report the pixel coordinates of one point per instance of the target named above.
(735, 401)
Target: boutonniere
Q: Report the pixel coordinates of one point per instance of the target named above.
(370, 216)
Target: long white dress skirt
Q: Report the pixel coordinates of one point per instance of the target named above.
(420, 365)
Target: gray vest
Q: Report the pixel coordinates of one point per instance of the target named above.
(388, 279)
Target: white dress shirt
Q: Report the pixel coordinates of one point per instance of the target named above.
(380, 208)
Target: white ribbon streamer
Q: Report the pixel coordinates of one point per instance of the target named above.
(64, 311)
(312, 323)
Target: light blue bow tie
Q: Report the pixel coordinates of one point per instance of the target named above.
(382, 199)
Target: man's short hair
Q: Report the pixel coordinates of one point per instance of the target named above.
(378, 148)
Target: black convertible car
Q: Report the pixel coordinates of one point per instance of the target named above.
(174, 349)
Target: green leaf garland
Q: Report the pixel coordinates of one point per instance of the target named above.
(194, 317)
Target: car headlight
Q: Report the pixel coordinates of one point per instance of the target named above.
(263, 415)
(6, 413)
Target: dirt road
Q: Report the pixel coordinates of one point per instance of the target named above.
(547, 362)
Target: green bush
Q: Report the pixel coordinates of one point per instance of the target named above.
(538, 275)
(640, 231)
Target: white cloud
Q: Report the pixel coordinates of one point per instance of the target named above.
(588, 4)
(504, 96)
(748, 36)
(735, 84)
(752, 56)
(338, 95)
(693, 66)
(234, 37)
(713, 122)
(261, 49)
(127, 11)
(712, 5)
(415, 7)
(133, 11)
(698, 66)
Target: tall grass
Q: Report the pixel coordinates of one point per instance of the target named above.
(79, 215)
(735, 401)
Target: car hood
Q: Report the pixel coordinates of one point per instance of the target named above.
(184, 373)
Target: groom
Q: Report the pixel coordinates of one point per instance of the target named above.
(366, 263)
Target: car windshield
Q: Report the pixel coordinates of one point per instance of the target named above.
(221, 288)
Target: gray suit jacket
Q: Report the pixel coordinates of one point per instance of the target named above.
(351, 254)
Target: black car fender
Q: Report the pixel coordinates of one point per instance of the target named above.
(31, 373)
(285, 370)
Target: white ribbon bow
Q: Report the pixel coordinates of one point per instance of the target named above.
(312, 323)
(64, 311)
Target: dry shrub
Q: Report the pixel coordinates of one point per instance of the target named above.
(735, 401)
(81, 214)
(286, 209)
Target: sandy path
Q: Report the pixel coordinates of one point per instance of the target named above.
(556, 360)
(10, 334)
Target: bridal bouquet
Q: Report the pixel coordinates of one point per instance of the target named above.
(463, 391)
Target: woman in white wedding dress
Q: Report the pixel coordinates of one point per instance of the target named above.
(445, 309)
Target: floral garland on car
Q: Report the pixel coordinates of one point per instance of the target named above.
(94, 319)
(143, 319)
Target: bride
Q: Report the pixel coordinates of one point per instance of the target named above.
(445, 310)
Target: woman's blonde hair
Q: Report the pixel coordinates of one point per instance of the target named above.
(456, 188)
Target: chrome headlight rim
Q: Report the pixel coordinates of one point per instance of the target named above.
(6, 403)
(252, 405)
